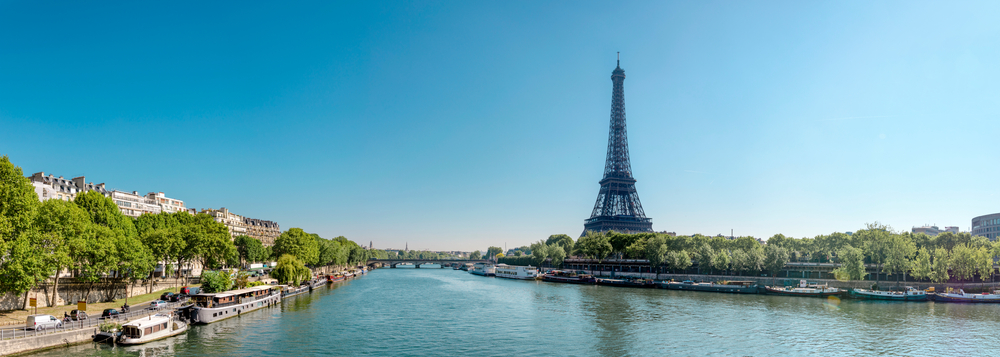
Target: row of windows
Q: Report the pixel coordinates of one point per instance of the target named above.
(156, 328)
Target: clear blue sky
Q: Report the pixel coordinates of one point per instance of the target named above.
(464, 124)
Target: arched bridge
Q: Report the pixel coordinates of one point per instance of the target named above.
(392, 263)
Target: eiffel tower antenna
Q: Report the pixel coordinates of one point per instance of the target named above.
(618, 207)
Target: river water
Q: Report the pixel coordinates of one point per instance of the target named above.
(445, 312)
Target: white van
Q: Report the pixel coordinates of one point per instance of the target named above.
(41, 322)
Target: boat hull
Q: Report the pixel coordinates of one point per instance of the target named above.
(207, 315)
(715, 288)
(893, 297)
(556, 279)
(772, 291)
(624, 283)
(138, 341)
(968, 298)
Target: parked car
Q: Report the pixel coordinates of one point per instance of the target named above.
(188, 291)
(158, 304)
(110, 314)
(168, 296)
(42, 322)
(77, 315)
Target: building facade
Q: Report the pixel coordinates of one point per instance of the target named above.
(265, 231)
(987, 226)
(167, 204)
(934, 230)
(134, 205)
(51, 187)
(233, 222)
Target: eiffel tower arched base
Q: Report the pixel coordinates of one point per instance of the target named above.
(621, 224)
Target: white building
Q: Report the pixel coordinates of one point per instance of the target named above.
(51, 187)
(132, 204)
(934, 230)
(167, 204)
(232, 221)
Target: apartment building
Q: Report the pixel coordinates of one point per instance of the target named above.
(52, 187)
(167, 204)
(265, 231)
(233, 222)
(134, 205)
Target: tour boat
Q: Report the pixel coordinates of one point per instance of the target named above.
(465, 266)
(804, 289)
(562, 276)
(483, 269)
(516, 272)
(212, 307)
(909, 294)
(152, 328)
(628, 282)
(738, 287)
(961, 296)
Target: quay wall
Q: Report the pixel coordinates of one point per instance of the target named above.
(766, 280)
(49, 340)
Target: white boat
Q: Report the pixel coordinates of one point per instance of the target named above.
(483, 269)
(212, 307)
(151, 328)
(516, 272)
(960, 295)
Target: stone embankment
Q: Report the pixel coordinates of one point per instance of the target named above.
(44, 341)
(70, 292)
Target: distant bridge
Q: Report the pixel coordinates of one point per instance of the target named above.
(392, 263)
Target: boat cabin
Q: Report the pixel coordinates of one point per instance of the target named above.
(232, 297)
(145, 327)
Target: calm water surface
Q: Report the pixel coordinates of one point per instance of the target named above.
(444, 312)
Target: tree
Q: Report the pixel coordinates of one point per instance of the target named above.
(706, 256)
(755, 258)
(963, 262)
(166, 244)
(252, 250)
(594, 245)
(775, 258)
(216, 281)
(852, 264)
(920, 267)
(539, 252)
(941, 262)
(897, 254)
(740, 261)
(475, 255)
(63, 227)
(19, 261)
(557, 253)
(492, 252)
(679, 260)
(721, 261)
(984, 263)
(562, 240)
(290, 270)
(656, 253)
(299, 244)
(877, 242)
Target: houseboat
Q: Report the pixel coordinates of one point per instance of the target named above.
(288, 291)
(336, 277)
(211, 307)
(959, 295)
(572, 277)
(737, 287)
(516, 272)
(908, 294)
(804, 289)
(483, 269)
(466, 266)
(628, 282)
(152, 328)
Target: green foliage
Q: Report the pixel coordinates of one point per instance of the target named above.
(299, 244)
(963, 261)
(656, 251)
(556, 253)
(216, 281)
(941, 262)
(921, 268)
(775, 258)
(679, 260)
(594, 245)
(249, 249)
(290, 270)
(476, 255)
(492, 252)
(852, 264)
(562, 240)
(539, 252)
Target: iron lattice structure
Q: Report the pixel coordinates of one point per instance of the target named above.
(618, 207)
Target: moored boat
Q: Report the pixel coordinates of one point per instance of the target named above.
(516, 272)
(737, 287)
(572, 277)
(628, 282)
(483, 269)
(151, 328)
(212, 307)
(333, 278)
(804, 289)
(907, 294)
(960, 295)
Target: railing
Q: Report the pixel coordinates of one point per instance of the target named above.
(10, 333)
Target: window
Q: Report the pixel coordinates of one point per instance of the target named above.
(149, 330)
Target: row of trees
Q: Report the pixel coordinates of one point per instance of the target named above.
(935, 258)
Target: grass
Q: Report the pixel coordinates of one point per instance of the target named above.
(17, 317)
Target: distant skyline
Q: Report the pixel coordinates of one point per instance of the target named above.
(459, 125)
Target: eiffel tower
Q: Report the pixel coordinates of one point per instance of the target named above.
(618, 208)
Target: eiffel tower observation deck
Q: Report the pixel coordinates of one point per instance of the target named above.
(618, 208)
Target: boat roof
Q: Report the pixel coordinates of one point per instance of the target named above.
(238, 291)
(147, 321)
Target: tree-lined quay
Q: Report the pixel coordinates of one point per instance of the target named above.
(91, 241)
(873, 253)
